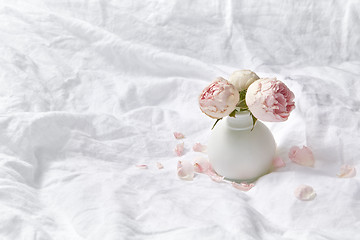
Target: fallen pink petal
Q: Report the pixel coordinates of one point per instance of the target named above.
(159, 165)
(302, 156)
(185, 170)
(198, 147)
(243, 186)
(305, 193)
(179, 149)
(217, 178)
(201, 165)
(278, 162)
(178, 135)
(142, 166)
(347, 171)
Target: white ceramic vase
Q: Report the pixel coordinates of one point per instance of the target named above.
(239, 153)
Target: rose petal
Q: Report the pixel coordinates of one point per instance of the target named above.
(198, 147)
(278, 162)
(213, 175)
(179, 149)
(347, 171)
(142, 166)
(305, 193)
(216, 178)
(243, 186)
(303, 156)
(178, 135)
(201, 165)
(185, 170)
(159, 165)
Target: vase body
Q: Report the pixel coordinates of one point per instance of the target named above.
(238, 152)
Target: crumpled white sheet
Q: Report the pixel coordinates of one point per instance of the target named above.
(89, 89)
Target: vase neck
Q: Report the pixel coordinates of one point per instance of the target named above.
(241, 121)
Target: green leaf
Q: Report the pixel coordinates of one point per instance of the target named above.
(232, 114)
(243, 94)
(215, 123)
(254, 121)
(242, 101)
(241, 104)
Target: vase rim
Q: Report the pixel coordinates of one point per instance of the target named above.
(241, 121)
(243, 113)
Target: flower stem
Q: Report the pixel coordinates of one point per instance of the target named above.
(215, 123)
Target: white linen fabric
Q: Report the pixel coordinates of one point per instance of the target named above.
(89, 89)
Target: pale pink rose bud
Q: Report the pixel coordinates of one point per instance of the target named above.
(270, 100)
(219, 99)
(302, 156)
(242, 79)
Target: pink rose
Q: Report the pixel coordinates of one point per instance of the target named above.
(219, 99)
(270, 100)
(302, 156)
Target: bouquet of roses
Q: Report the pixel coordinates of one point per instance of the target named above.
(267, 99)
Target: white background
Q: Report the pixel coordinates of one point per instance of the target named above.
(89, 89)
